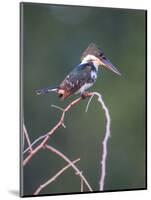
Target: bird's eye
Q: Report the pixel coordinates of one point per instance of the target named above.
(101, 54)
(104, 58)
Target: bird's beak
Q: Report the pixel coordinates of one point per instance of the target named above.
(105, 62)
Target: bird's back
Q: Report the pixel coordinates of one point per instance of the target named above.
(80, 75)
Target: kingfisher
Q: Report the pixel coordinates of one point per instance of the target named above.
(84, 75)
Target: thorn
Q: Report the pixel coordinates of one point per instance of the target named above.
(64, 126)
(87, 107)
(79, 173)
(59, 108)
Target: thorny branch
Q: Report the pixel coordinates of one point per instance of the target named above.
(51, 132)
(45, 138)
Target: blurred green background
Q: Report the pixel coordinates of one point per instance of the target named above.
(54, 39)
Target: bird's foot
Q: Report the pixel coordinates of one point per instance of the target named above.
(86, 94)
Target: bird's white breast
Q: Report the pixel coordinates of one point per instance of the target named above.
(84, 87)
(94, 75)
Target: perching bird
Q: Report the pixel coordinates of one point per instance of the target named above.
(84, 75)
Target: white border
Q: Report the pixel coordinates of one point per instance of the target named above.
(9, 100)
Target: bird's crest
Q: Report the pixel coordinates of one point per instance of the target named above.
(94, 50)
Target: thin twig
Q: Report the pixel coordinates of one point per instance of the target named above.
(87, 107)
(27, 138)
(35, 142)
(82, 186)
(64, 126)
(81, 181)
(106, 137)
(105, 140)
(41, 187)
(70, 162)
(59, 108)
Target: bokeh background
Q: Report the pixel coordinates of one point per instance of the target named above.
(54, 37)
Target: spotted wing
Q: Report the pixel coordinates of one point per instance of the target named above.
(76, 79)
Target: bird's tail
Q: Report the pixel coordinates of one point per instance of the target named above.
(46, 90)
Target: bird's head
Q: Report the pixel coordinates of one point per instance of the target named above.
(96, 56)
